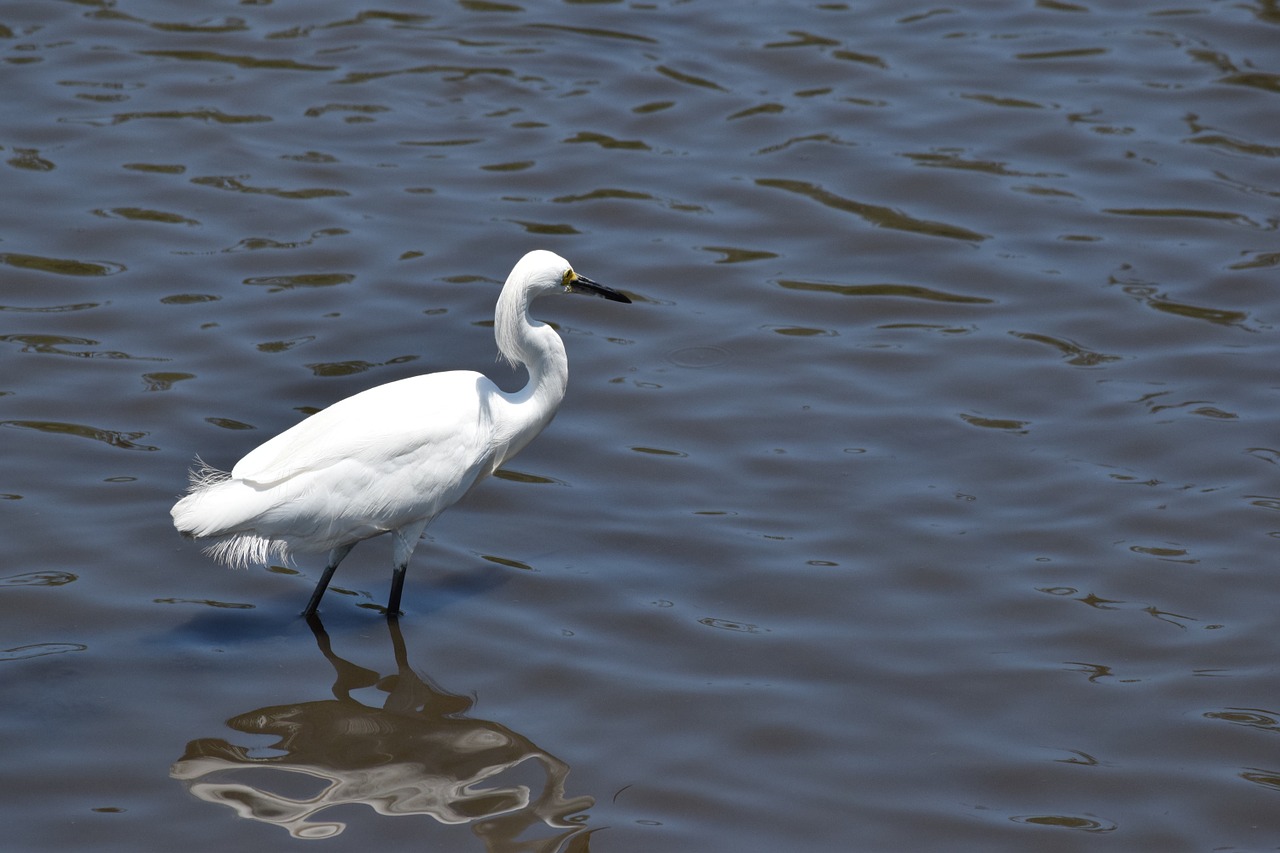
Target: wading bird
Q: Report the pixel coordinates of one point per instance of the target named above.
(392, 458)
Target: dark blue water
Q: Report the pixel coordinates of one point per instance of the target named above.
(924, 499)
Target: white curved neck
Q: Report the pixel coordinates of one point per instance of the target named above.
(537, 347)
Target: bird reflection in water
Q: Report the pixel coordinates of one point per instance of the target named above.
(414, 755)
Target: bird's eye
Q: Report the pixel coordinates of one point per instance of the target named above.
(566, 281)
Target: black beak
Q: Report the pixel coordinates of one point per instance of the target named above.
(582, 284)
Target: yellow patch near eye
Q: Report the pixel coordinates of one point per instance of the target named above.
(569, 278)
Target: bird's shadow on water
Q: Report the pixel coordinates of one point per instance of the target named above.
(344, 608)
(392, 740)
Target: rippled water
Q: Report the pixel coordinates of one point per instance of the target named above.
(925, 499)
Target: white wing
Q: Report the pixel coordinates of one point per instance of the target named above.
(442, 412)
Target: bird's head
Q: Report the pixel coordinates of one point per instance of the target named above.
(541, 272)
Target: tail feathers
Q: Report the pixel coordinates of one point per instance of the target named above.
(204, 476)
(217, 507)
(242, 550)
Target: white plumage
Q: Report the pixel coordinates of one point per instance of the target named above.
(392, 458)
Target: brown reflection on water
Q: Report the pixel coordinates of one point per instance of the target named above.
(415, 755)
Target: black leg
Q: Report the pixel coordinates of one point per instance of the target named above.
(405, 540)
(335, 557)
(397, 586)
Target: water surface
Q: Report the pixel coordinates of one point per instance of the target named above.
(924, 499)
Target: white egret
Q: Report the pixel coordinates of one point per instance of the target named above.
(392, 458)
